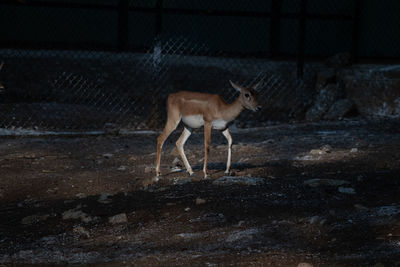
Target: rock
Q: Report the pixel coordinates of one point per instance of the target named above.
(117, 219)
(242, 160)
(80, 195)
(177, 162)
(176, 169)
(340, 109)
(389, 210)
(326, 148)
(314, 219)
(304, 264)
(210, 218)
(242, 235)
(346, 190)
(179, 181)
(29, 156)
(339, 60)
(325, 77)
(324, 182)
(121, 168)
(323, 150)
(354, 150)
(242, 180)
(81, 231)
(76, 214)
(326, 97)
(200, 201)
(187, 235)
(34, 219)
(49, 240)
(25, 254)
(108, 155)
(187, 209)
(269, 141)
(317, 152)
(105, 198)
(240, 223)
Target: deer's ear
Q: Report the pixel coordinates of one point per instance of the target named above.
(237, 87)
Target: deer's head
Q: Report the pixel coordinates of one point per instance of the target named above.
(248, 96)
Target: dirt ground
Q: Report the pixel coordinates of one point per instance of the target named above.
(320, 193)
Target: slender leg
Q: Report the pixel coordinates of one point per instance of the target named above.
(179, 144)
(229, 138)
(172, 122)
(207, 141)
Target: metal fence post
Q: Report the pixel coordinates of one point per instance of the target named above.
(356, 30)
(123, 24)
(159, 7)
(275, 27)
(302, 38)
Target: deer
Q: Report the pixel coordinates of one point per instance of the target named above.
(195, 110)
(1, 85)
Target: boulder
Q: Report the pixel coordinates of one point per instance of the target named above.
(325, 77)
(117, 219)
(375, 90)
(340, 109)
(326, 97)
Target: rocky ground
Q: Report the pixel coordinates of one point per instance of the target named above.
(325, 194)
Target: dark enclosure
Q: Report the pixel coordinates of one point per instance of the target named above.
(92, 65)
(314, 174)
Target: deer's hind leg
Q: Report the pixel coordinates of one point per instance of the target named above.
(172, 122)
(179, 144)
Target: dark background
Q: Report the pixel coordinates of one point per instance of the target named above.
(85, 65)
(368, 29)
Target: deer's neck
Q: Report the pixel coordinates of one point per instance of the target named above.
(232, 111)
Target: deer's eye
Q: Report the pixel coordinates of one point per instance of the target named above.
(246, 95)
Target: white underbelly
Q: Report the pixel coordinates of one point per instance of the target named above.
(196, 121)
(219, 124)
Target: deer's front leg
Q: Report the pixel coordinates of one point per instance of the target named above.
(229, 138)
(207, 141)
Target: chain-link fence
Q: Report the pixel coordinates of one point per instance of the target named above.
(58, 90)
(99, 65)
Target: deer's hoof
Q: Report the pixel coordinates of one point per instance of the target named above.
(207, 177)
(229, 173)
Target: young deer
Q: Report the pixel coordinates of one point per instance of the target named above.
(210, 111)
